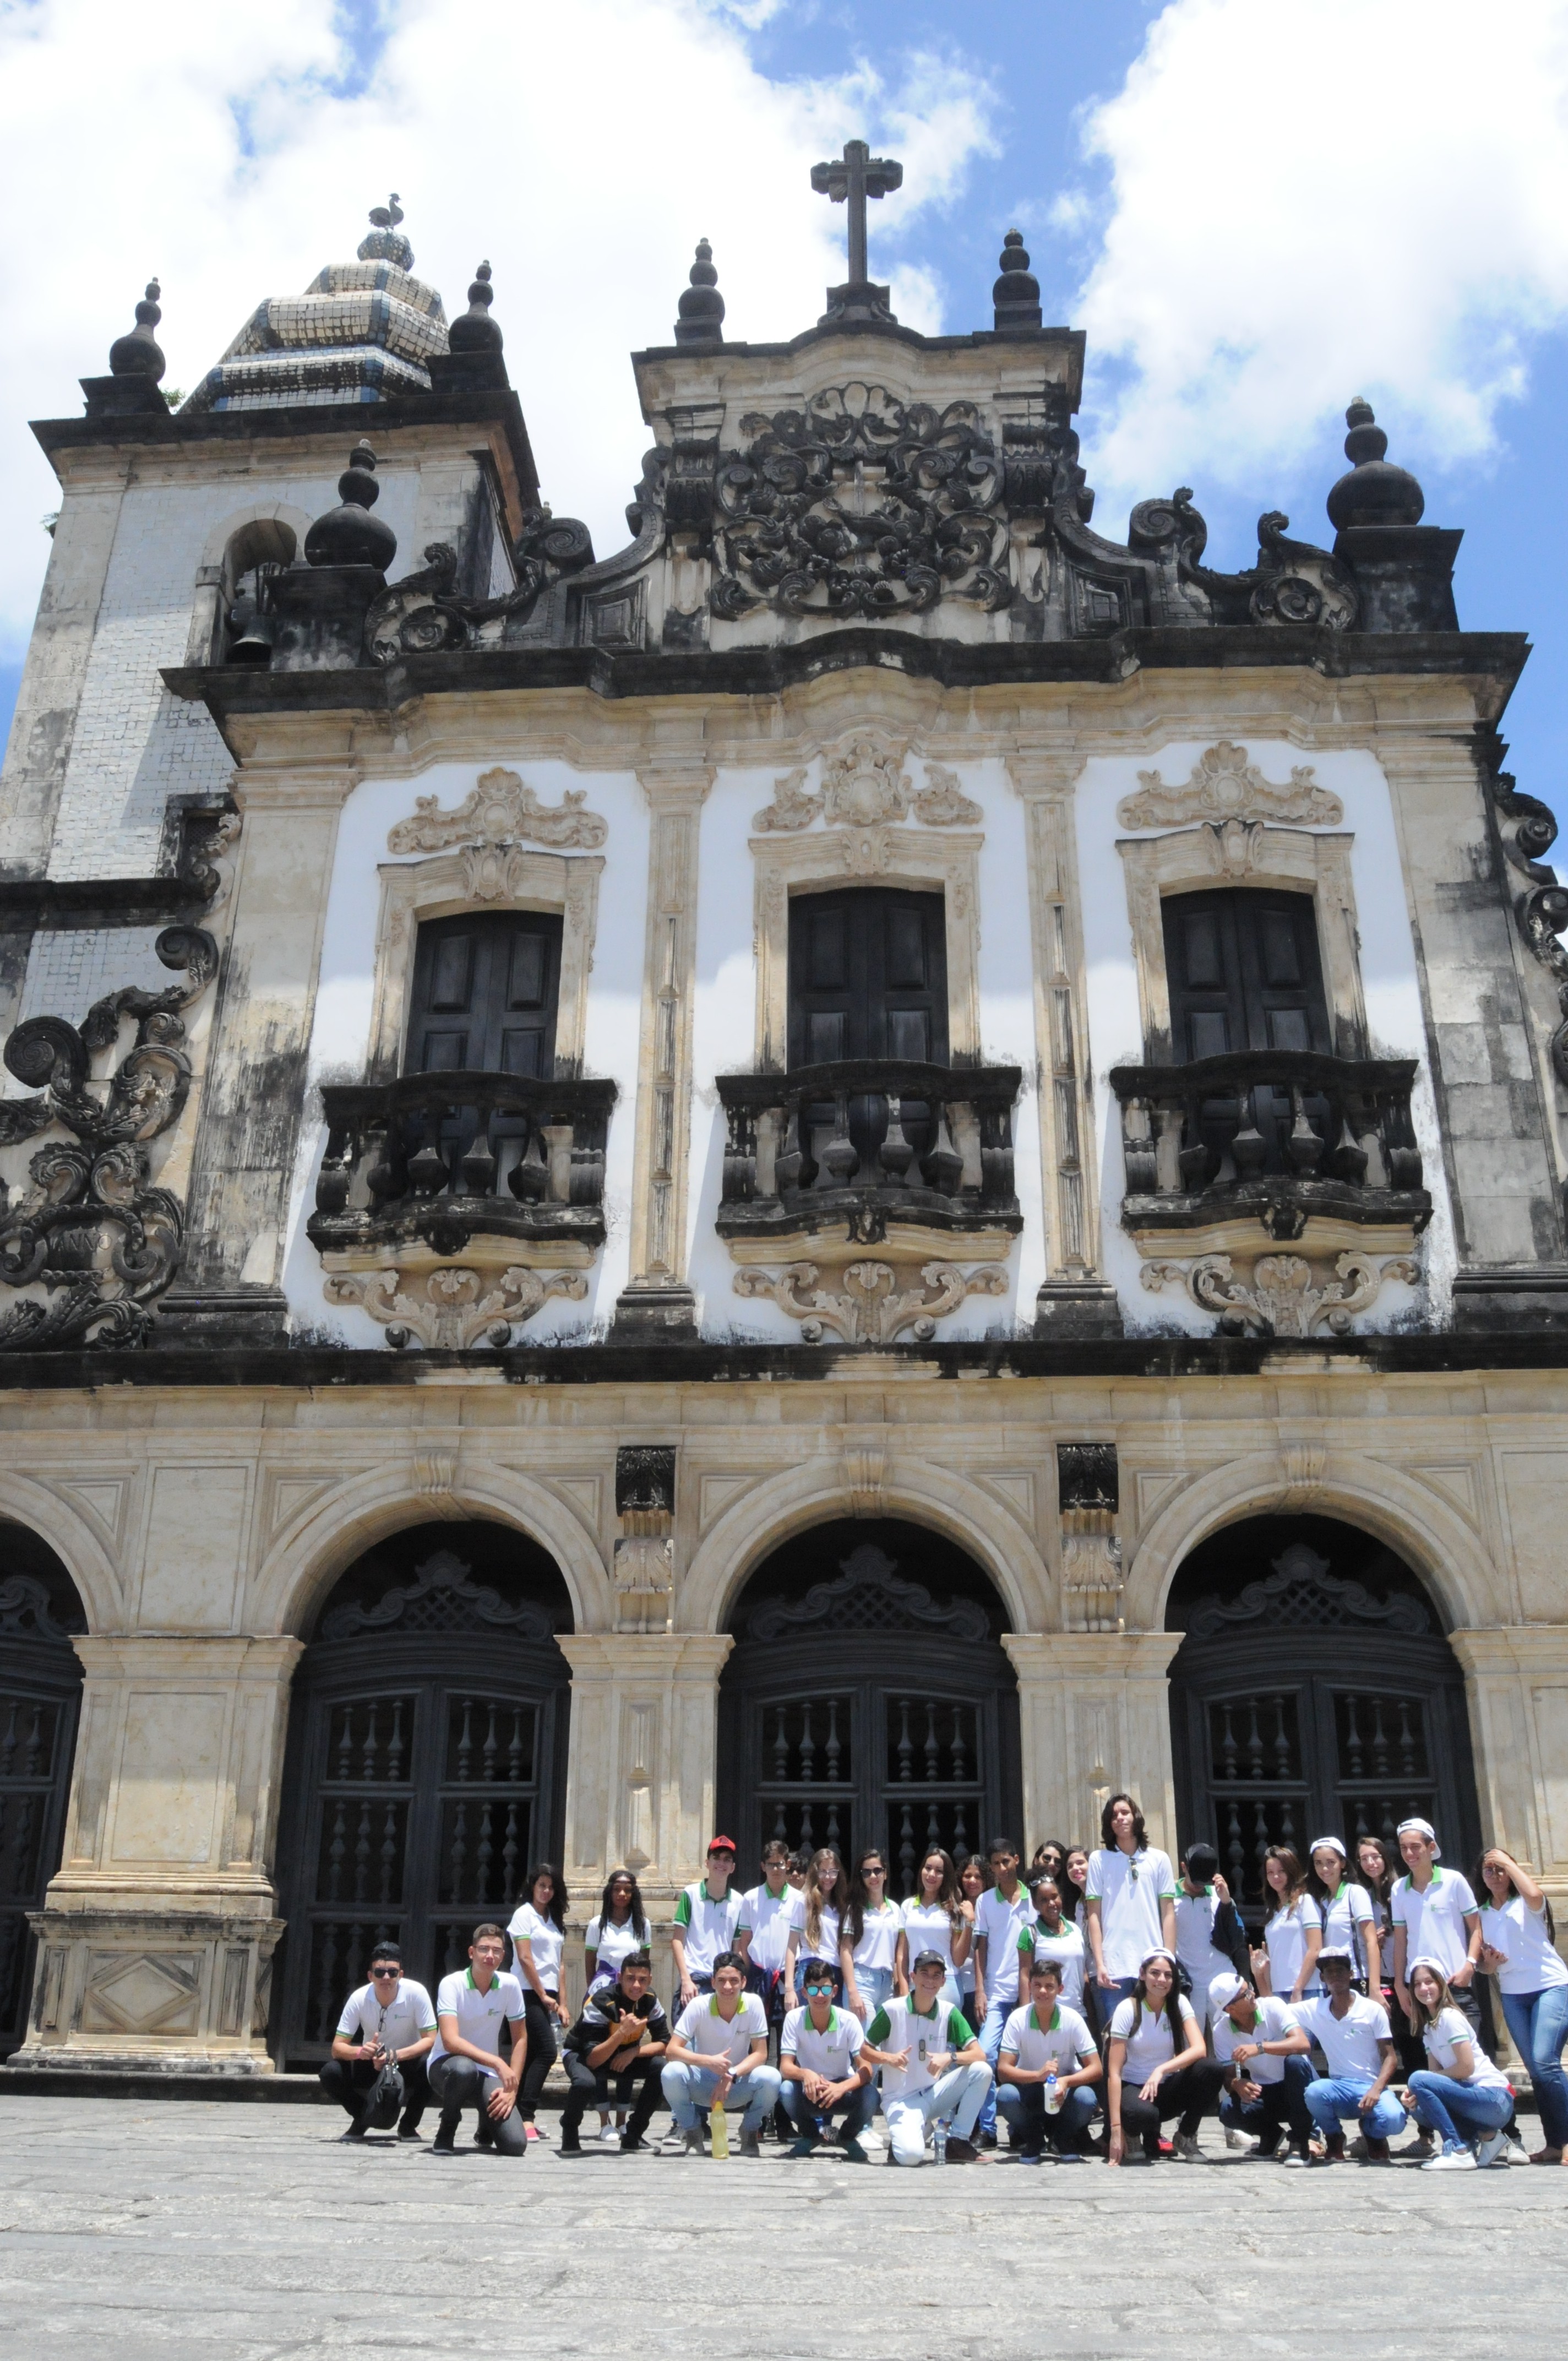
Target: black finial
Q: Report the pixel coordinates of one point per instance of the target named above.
(350, 535)
(701, 306)
(1374, 492)
(139, 353)
(1016, 294)
(473, 331)
(386, 243)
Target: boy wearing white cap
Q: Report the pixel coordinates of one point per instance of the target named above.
(1355, 2037)
(1434, 1916)
(1265, 2054)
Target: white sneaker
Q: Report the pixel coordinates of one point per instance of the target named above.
(1458, 2160)
(610, 2135)
(1493, 2149)
(1185, 2149)
(1517, 2153)
(1239, 2143)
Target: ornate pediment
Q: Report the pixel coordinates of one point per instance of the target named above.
(442, 1596)
(867, 787)
(869, 1594)
(1302, 1592)
(501, 809)
(1225, 786)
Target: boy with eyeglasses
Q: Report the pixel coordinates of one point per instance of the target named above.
(389, 2019)
(823, 2068)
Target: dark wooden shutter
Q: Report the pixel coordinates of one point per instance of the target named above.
(868, 976)
(1244, 974)
(485, 993)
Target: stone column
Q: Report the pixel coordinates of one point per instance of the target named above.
(1074, 1298)
(1094, 1714)
(1516, 1684)
(639, 1780)
(156, 1938)
(658, 1297)
(253, 1096)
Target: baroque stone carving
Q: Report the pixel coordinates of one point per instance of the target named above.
(1303, 1593)
(424, 614)
(869, 1594)
(861, 504)
(1088, 1492)
(1283, 1298)
(644, 1559)
(1225, 787)
(942, 803)
(452, 1308)
(92, 1230)
(866, 787)
(26, 1611)
(871, 1307)
(501, 809)
(442, 1596)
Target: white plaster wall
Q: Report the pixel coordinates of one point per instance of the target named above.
(340, 1038)
(724, 1034)
(134, 744)
(1389, 981)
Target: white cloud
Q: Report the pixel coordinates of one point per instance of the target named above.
(583, 149)
(1319, 199)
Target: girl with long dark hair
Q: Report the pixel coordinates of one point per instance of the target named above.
(868, 1939)
(538, 1931)
(1344, 1909)
(618, 1933)
(1155, 2066)
(818, 1918)
(973, 1880)
(934, 1921)
(1286, 1965)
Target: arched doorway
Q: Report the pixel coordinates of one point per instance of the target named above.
(868, 1700)
(40, 1695)
(1314, 1694)
(427, 1760)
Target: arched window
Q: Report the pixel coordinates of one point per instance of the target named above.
(258, 552)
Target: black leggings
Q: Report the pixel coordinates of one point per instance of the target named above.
(350, 2082)
(639, 2088)
(540, 2027)
(1191, 2094)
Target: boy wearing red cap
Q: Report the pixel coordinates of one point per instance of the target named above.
(707, 1916)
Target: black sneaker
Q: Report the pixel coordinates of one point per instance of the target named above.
(485, 2136)
(445, 2141)
(986, 2139)
(961, 2151)
(407, 2131)
(354, 2131)
(632, 2142)
(803, 2145)
(570, 2144)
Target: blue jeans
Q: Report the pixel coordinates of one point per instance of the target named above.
(855, 2107)
(687, 2088)
(1282, 2106)
(994, 2024)
(1538, 2023)
(1333, 2097)
(1459, 2112)
(1023, 2109)
(874, 1985)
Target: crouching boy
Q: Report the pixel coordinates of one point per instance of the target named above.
(466, 2066)
(823, 2069)
(614, 2053)
(717, 2056)
(932, 2070)
(1043, 2045)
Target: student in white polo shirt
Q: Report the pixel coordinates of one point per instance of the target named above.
(707, 1917)
(1434, 1916)
(763, 1930)
(717, 2055)
(1355, 2038)
(390, 2018)
(1209, 1931)
(1267, 2067)
(1000, 1914)
(1155, 2068)
(1130, 1900)
(1518, 1947)
(823, 2071)
(868, 1938)
(1051, 1935)
(931, 2067)
(1458, 2093)
(1047, 2043)
(1345, 1910)
(466, 2068)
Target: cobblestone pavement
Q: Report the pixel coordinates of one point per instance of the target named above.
(198, 2231)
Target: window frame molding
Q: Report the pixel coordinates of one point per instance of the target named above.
(1246, 854)
(444, 886)
(846, 858)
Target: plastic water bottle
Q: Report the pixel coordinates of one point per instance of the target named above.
(939, 2140)
(1053, 2094)
(718, 2125)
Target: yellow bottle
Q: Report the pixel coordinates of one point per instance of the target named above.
(718, 2126)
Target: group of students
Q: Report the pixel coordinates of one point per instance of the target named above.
(1102, 1985)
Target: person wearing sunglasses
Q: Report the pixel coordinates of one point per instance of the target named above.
(823, 2069)
(392, 2019)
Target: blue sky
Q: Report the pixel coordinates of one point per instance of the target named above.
(1257, 213)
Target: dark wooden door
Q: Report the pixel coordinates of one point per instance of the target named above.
(1307, 1707)
(868, 976)
(426, 1771)
(485, 991)
(40, 1692)
(1244, 974)
(868, 1713)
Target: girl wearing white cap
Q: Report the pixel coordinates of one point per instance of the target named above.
(1518, 1947)
(1434, 1916)
(1292, 1935)
(1345, 1910)
(1155, 2066)
(1459, 2094)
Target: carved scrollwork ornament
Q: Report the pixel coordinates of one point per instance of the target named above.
(870, 1307)
(424, 613)
(501, 809)
(92, 1229)
(451, 1308)
(1283, 1298)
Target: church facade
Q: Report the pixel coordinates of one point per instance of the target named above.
(858, 1172)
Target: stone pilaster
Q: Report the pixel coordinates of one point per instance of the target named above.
(658, 1297)
(1516, 1683)
(1094, 1714)
(155, 1937)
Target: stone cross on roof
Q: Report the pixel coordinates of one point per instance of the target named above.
(856, 176)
